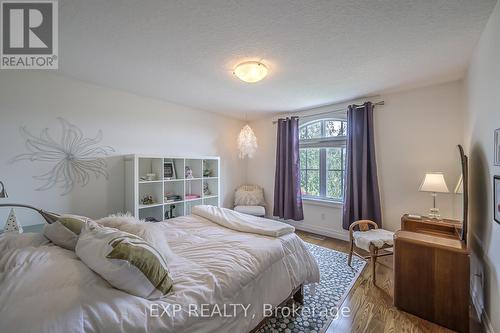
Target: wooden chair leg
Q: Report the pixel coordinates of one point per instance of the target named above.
(299, 295)
(349, 261)
(373, 254)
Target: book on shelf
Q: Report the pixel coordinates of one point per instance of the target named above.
(170, 197)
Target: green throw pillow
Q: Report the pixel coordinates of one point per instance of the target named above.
(145, 257)
(73, 223)
(126, 261)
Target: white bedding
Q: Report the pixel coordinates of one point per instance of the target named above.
(243, 222)
(44, 288)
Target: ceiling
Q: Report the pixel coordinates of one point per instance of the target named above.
(318, 51)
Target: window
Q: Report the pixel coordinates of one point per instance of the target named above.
(322, 159)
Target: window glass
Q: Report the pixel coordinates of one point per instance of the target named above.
(334, 128)
(312, 186)
(335, 184)
(314, 130)
(312, 158)
(334, 158)
(303, 132)
(322, 169)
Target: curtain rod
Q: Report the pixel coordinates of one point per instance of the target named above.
(336, 110)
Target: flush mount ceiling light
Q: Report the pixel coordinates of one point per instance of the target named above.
(251, 71)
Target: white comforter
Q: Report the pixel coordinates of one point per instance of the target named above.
(243, 222)
(44, 288)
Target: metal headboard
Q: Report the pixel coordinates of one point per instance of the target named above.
(48, 216)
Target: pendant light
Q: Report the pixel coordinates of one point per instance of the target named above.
(247, 142)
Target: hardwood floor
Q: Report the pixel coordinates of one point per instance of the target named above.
(371, 307)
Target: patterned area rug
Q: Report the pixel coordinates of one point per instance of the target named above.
(320, 305)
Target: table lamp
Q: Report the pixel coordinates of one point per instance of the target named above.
(3, 192)
(434, 182)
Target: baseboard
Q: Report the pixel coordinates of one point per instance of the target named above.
(321, 231)
(481, 314)
(476, 303)
(476, 295)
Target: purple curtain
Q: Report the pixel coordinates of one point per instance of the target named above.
(361, 196)
(287, 196)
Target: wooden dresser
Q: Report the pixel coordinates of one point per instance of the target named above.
(431, 272)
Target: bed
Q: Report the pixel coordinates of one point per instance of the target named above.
(222, 280)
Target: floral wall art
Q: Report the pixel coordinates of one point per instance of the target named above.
(73, 158)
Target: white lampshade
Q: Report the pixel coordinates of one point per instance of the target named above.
(434, 182)
(247, 142)
(3, 191)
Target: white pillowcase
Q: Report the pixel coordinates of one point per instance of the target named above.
(60, 235)
(117, 220)
(64, 232)
(151, 232)
(125, 260)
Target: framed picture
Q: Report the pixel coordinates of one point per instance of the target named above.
(169, 170)
(496, 198)
(497, 147)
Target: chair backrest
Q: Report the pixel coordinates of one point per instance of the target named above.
(362, 225)
(250, 188)
(249, 195)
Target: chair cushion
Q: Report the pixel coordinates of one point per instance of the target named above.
(251, 210)
(377, 237)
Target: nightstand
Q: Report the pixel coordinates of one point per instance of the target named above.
(432, 272)
(442, 228)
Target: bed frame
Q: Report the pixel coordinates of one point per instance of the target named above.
(298, 296)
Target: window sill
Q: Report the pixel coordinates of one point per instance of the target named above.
(321, 202)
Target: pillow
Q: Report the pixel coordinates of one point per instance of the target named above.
(249, 196)
(126, 261)
(64, 232)
(60, 235)
(153, 233)
(117, 220)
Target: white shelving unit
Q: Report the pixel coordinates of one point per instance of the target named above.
(206, 170)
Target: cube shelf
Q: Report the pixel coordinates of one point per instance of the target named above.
(160, 188)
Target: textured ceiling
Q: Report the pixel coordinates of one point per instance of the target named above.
(318, 51)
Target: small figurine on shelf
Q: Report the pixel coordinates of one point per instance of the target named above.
(207, 172)
(148, 200)
(170, 214)
(172, 211)
(206, 190)
(189, 172)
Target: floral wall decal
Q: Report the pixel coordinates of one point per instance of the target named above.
(74, 158)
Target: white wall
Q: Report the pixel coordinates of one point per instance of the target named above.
(482, 88)
(130, 124)
(416, 131)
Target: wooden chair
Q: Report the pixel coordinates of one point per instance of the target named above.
(370, 241)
